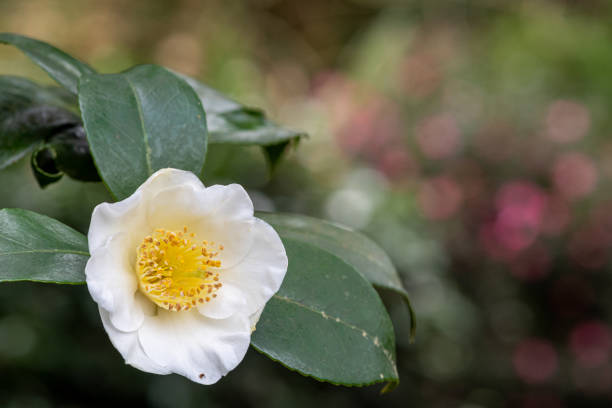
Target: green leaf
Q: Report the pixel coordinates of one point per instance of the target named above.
(327, 321)
(231, 122)
(65, 69)
(352, 247)
(65, 153)
(29, 114)
(274, 153)
(43, 166)
(41, 119)
(140, 121)
(228, 121)
(34, 247)
(72, 154)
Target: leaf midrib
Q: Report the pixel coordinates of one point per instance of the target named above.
(142, 126)
(44, 251)
(29, 249)
(388, 355)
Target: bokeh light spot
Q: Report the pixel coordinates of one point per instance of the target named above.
(574, 175)
(438, 136)
(535, 360)
(591, 343)
(439, 197)
(520, 206)
(567, 121)
(420, 75)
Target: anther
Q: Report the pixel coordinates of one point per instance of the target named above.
(172, 272)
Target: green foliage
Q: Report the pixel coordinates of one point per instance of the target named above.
(72, 155)
(60, 66)
(327, 321)
(43, 166)
(275, 152)
(140, 121)
(29, 115)
(228, 121)
(34, 247)
(67, 152)
(231, 122)
(357, 250)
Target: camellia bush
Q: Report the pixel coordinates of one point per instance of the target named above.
(186, 277)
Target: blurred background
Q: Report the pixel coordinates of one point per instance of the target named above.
(470, 138)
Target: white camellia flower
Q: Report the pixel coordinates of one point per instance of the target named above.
(181, 274)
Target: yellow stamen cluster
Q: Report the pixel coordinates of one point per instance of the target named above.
(174, 270)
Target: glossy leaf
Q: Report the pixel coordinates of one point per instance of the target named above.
(43, 166)
(228, 121)
(231, 122)
(327, 321)
(65, 153)
(34, 247)
(274, 153)
(140, 121)
(65, 69)
(72, 154)
(352, 247)
(29, 114)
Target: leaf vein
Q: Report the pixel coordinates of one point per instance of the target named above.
(7, 238)
(142, 125)
(34, 251)
(388, 355)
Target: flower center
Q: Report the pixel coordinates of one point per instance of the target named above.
(174, 271)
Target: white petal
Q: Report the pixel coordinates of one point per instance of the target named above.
(129, 347)
(174, 207)
(110, 219)
(236, 237)
(261, 273)
(204, 345)
(230, 202)
(112, 283)
(254, 318)
(194, 346)
(229, 223)
(129, 215)
(165, 178)
(229, 300)
(204, 212)
(226, 220)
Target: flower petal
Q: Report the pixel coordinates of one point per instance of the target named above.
(129, 347)
(229, 222)
(230, 202)
(166, 178)
(109, 219)
(261, 272)
(254, 318)
(230, 299)
(203, 212)
(127, 215)
(201, 345)
(174, 207)
(194, 346)
(112, 283)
